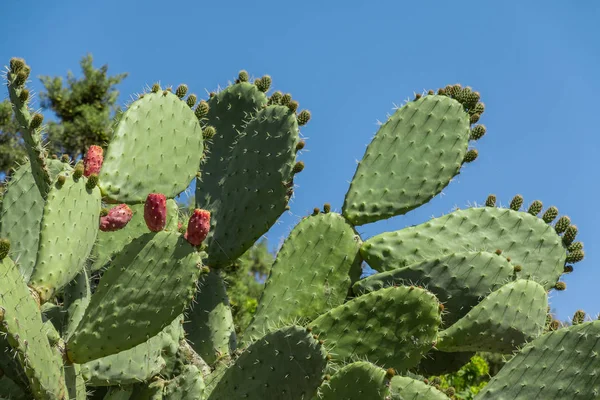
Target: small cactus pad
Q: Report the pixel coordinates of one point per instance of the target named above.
(21, 320)
(145, 287)
(229, 112)
(357, 381)
(108, 244)
(393, 327)
(312, 273)
(254, 186)
(188, 385)
(77, 296)
(558, 365)
(74, 382)
(413, 156)
(503, 321)
(68, 231)
(526, 239)
(156, 147)
(209, 324)
(458, 280)
(139, 363)
(403, 387)
(285, 364)
(22, 211)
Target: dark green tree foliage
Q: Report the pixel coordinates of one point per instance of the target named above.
(245, 282)
(84, 107)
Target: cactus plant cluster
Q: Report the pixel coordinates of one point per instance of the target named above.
(108, 292)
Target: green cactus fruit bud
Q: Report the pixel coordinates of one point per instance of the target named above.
(570, 234)
(286, 99)
(562, 224)
(535, 207)
(36, 121)
(474, 118)
(390, 373)
(212, 94)
(575, 256)
(209, 132)
(470, 156)
(287, 208)
(516, 203)
(181, 90)
(166, 92)
(471, 99)
(201, 110)
(430, 92)
(550, 214)
(303, 117)
(326, 208)
(300, 145)
(479, 108)
(578, 317)
(116, 218)
(191, 100)
(65, 158)
(417, 96)
(441, 92)
(61, 179)
(575, 246)
(477, 132)
(316, 211)
(243, 76)
(92, 162)
(490, 201)
(517, 268)
(450, 392)
(293, 106)
(298, 167)
(198, 227)
(54, 157)
(155, 88)
(554, 325)
(498, 251)
(155, 212)
(4, 248)
(455, 90)
(263, 84)
(276, 98)
(92, 182)
(78, 172)
(560, 286)
(24, 95)
(568, 269)
(16, 64)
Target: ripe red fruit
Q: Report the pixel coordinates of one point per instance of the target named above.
(155, 212)
(117, 218)
(198, 227)
(92, 161)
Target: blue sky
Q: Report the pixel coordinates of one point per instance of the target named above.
(536, 65)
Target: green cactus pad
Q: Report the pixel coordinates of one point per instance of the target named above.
(108, 244)
(147, 285)
(189, 385)
(22, 211)
(413, 156)
(285, 364)
(312, 273)
(21, 320)
(68, 231)
(229, 112)
(356, 381)
(558, 365)
(458, 280)
(526, 239)
(254, 188)
(74, 382)
(119, 393)
(149, 391)
(9, 364)
(393, 327)
(77, 296)
(54, 315)
(137, 364)
(209, 324)
(405, 388)
(503, 321)
(156, 148)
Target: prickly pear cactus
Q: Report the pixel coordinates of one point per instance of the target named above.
(108, 291)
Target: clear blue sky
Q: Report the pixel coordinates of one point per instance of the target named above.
(536, 65)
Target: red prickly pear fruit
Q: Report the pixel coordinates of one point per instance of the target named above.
(155, 212)
(92, 161)
(198, 227)
(117, 218)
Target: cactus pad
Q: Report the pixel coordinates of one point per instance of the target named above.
(285, 364)
(189, 385)
(312, 273)
(356, 381)
(405, 388)
(156, 147)
(393, 327)
(148, 284)
(413, 156)
(527, 240)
